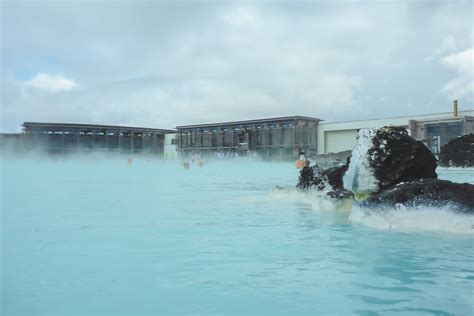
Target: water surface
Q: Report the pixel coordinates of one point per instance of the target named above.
(96, 237)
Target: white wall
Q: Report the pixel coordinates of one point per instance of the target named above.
(336, 141)
(170, 151)
(340, 136)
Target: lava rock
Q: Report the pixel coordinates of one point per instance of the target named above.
(459, 152)
(335, 175)
(425, 193)
(313, 177)
(397, 157)
(316, 178)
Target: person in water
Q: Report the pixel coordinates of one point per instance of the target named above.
(201, 163)
(186, 165)
(302, 161)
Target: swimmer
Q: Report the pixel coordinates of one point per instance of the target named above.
(130, 161)
(186, 165)
(201, 163)
(302, 161)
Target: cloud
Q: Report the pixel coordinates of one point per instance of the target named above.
(49, 83)
(162, 63)
(462, 63)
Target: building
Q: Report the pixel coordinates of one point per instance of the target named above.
(280, 137)
(170, 151)
(66, 137)
(435, 130)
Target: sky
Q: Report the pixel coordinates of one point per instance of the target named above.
(166, 63)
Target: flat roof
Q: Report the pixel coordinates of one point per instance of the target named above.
(265, 120)
(447, 114)
(80, 125)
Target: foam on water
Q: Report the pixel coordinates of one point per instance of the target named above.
(318, 200)
(415, 219)
(360, 176)
(400, 218)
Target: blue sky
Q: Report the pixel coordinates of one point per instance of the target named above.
(167, 63)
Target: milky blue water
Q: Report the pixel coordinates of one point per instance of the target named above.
(96, 237)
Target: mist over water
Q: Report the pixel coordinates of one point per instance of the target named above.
(92, 235)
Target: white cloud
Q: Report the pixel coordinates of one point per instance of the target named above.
(463, 64)
(50, 83)
(137, 65)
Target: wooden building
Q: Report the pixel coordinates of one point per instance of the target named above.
(280, 137)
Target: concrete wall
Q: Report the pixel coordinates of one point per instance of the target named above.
(340, 136)
(170, 151)
(469, 125)
(336, 141)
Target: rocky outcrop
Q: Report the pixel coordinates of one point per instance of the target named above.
(313, 177)
(459, 152)
(396, 157)
(330, 184)
(335, 175)
(425, 193)
(385, 157)
(389, 167)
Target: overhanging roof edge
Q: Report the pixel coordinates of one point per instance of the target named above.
(81, 125)
(273, 119)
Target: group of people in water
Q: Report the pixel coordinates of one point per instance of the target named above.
(302, 162)
(200, 163)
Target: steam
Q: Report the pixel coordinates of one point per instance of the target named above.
(359, 177)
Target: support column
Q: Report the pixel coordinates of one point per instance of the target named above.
(266, 140)
(92, 139)
(120, 140)
(232, 138)
(280, 139)
(62, 142)
(221, 138)
(106, 139)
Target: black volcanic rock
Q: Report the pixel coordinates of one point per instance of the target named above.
(313, 177)
(335, 175)
(316, 178)
(389, 168)
(396, 157)
(426, 192)
(459, 152)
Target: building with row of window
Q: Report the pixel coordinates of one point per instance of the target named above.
(271, 137)
(68, 138)
(279, 137)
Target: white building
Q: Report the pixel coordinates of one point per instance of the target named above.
(170, 151)
(433, 129)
